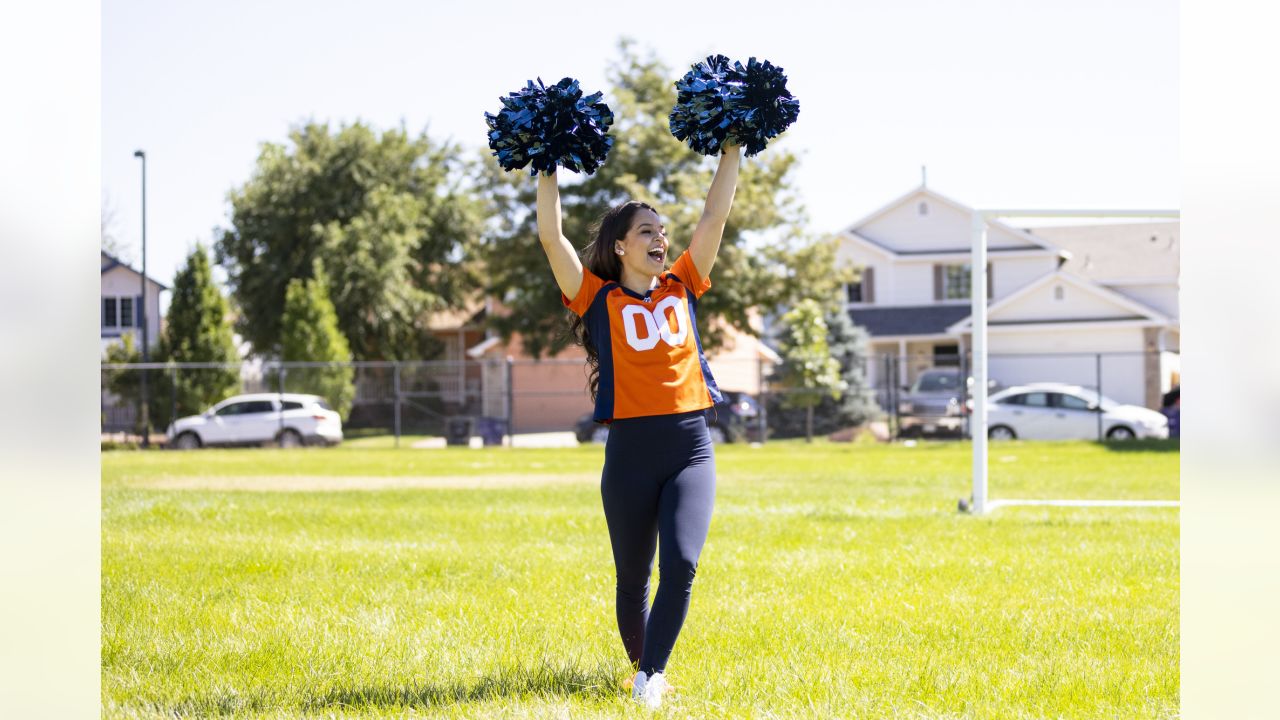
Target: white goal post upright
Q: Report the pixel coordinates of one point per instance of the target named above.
(981, 501)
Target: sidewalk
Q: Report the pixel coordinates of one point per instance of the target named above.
(565, 439)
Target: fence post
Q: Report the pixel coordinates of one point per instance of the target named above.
(964, 393)
(1098, 376)
(397, 389)
(173, 394)
(280, 392)
(762, 401)
(511, 402)
(144, 409)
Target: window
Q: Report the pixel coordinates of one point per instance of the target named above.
(955, 282)
(1071, 402)
(946, 355)
(258, 406)
(126, 312)
(291, 405)
(232, 409)
(923, 207)
(853, 292)
(1058, 292)
(1036, 399)
(110, 317)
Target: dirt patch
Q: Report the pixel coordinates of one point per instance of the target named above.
(321, 483)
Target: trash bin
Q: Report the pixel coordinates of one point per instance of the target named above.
(458, 429)
(491, 430)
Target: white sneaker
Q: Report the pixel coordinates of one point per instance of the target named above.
(654, 687)
(638, 684)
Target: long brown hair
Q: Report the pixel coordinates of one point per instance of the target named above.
(599, 257)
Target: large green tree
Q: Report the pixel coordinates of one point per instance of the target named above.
(389, 216)
(310, 333)
(647, 163)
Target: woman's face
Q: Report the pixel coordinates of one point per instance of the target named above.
(643, 250)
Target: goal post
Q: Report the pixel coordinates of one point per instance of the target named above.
(981, 501)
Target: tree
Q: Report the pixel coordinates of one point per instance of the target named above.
(310, 332)
(809, 372)
(197, 331)
(388, 217)
(647, 163)
(847, 344)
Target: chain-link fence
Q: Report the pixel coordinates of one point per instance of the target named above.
(490, 400)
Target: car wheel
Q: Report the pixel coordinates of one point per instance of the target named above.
(600, 435)
(717, 434)
(186, 441)
(1120, 432)
(290, 439)
(1002, 432)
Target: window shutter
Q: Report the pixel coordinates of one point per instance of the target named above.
(105, 321)
(937, 282)
(990, 283)
(869, 285)
(137, 311)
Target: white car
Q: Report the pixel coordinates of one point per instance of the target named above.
(1055, 411)
(287, 419)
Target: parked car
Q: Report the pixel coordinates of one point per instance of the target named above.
(1055, 411)
(728, 421)
(934, 404)
(288, 420)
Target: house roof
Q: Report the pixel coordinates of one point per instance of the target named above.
(1117, 252)
(1033, 239)
(471, 315)
(913, 320)
(111, 262)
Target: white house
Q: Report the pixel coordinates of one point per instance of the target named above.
(1092, 305)
(121, 306)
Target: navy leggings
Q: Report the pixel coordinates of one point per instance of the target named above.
(658, 487)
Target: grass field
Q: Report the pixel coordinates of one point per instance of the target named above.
(838, 581)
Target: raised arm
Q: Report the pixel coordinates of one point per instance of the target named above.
(705, 242)
(565, 264)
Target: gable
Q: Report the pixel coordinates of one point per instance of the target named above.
(925, 222)
(1061, 297)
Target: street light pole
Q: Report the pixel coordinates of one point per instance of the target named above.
(142, 307)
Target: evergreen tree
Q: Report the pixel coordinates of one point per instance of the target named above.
(809, 373)
(310, 333)
(848, 344)
(197, 330)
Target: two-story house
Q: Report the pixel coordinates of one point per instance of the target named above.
(122, 308)
(1065, 304)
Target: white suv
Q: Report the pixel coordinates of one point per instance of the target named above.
(286, 419)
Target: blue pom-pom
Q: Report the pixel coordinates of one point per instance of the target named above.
(544, 127)
(717, 101)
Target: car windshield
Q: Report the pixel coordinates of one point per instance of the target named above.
(937, 382)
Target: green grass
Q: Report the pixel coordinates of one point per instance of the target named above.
(838, 581)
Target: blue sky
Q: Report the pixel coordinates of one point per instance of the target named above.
(1045, 104)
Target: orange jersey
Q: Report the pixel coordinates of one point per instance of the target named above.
(651, 360)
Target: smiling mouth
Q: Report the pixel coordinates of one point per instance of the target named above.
(658, 254)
